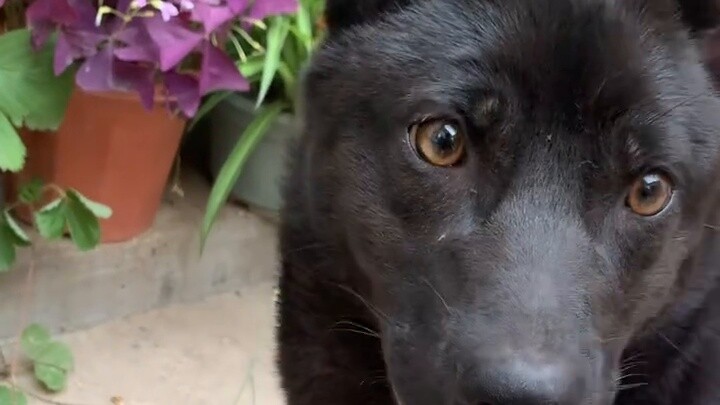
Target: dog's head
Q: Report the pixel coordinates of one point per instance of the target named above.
(519, 182)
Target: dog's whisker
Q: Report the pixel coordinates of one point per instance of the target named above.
(359, 332)
(375, 310)
(356, 325)
(437, 293)
(626, 376)
(626, 387)
(674, 346)
(354, 328)
(632, 365)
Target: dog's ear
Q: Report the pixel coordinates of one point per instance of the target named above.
(341, 14)
(700, 15)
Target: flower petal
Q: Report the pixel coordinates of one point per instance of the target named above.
(237, 6)
(136, 45)
(219, 72)
(74, 45)
(95, 74)
(65, 54)
(210, 16)
(168, 10)
(262, 9)
(131, 76)
(43, 16)
(172, 39)
(184, 92)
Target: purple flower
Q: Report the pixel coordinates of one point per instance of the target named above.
(186, 5)
(211, 17)
(263, 9)
(167, 9)
(137, 45)
(44, 16)
(174, 41)
(219, 72)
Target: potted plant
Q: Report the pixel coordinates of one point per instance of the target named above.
(249, 164)
(140, 70)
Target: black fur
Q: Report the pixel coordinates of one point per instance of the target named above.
(520, 276)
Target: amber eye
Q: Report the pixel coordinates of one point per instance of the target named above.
(440, 142)
(650, 194)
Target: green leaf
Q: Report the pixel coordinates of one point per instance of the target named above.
(83, 224)
(290, 56)
(53, 378)
(31, 191)
(252, 66)
(58, 355)
(7, 247)
(12, 149)
(277, 32)
(31, 95)
(21, 238)
(50, 220)
(207, 106)
(98, 209)
(9, 396)
(52, 360)
(304, 31)
(232, 168)
(35, 340)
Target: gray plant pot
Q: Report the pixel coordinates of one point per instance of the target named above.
(261, 179)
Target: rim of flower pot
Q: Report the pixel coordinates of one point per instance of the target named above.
(128, 95)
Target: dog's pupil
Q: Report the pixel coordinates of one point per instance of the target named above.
(445, 139)
(651, 188)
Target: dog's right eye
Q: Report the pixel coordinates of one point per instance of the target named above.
(439, 142)
(650, 194)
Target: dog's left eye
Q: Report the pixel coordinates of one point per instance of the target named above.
(650, 194)
(439, 142)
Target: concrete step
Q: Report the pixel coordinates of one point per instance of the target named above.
(70, 290)
(217, 351)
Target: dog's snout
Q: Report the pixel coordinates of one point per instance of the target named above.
(520, 380)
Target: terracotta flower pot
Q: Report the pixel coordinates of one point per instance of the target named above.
(112, 150)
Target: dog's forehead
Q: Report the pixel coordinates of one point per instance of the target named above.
(574, 66)
(566, 52)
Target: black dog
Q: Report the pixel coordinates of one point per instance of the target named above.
(505, 202)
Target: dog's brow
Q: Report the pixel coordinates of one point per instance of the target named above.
(487, 110)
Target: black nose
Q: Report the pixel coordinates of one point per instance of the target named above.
(525, 381)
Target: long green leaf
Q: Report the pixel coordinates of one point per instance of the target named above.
(304, 30)
(252, 66)
(277, 32)
(290, 56)
(232, 168)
